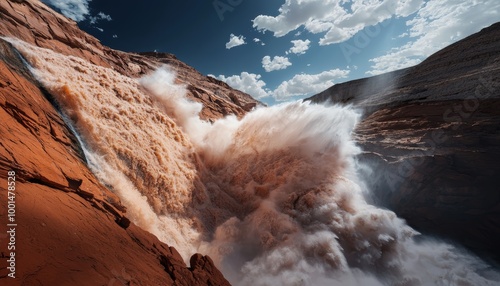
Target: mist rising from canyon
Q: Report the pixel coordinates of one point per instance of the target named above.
(274, 198)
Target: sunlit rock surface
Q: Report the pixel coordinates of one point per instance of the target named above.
(71, 229)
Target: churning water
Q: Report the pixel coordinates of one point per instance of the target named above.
(273, 198)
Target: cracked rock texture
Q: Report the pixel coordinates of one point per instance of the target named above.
(71, 230)
(431, 134)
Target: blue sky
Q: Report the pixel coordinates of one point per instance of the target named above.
(284, 50)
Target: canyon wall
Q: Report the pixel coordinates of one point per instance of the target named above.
(71, 229)
(431, 134)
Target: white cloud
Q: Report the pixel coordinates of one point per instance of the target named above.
(100, 29)
(74, 9)
(307, 84)
(104, 16)
(299, 47)
(115, 36)
(334, 18)
(438, 24)
(257, 40)
(235, 41)
(246, 82)
(98, 17)
(299, 85)
(277, 63)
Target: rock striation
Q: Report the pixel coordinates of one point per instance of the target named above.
(36, 23)
(72, 230)
(431, 133)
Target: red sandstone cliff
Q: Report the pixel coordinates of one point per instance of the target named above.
(71, 230)
(35, 23)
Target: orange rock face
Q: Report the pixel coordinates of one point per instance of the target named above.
(69, 228)
(35, 23)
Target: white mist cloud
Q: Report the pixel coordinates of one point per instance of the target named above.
(276, 63)
(299, 47)
(438, 24)
(98, 17)
(306, 84)
(246, 82)
(235, 41)
(338, 20)
(74, 9)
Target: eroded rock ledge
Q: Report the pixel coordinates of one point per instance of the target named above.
(72, 230)
(37, 24)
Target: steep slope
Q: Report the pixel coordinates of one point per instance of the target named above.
(35, 23)
(70, 229)
(432, 135)
(453, 73)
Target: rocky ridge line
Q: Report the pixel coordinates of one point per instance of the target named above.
(71, 229)
(432, 134)
(35, 23)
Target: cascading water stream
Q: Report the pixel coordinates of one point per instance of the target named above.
(273, 198)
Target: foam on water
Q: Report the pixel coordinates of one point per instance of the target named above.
(273, 198)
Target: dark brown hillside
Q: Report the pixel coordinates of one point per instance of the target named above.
(432, 135)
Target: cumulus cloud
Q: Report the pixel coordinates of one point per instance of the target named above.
(100, 16)
(276, 63)
(74, 9)
(307, 84)
(257, 40)
(246, 82)
(338, 20)
(438, 24)
(403, 35)
(299, 47)
(235, 41)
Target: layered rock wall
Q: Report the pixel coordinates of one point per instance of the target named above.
(70, 229)
(431, 134)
